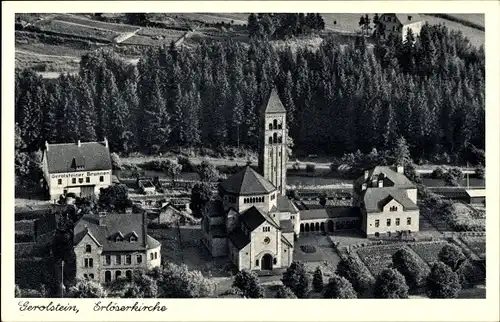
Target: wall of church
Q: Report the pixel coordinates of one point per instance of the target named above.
(286, 256)
(273, 154)
(263, 202)
(265, 242)
(245, 258)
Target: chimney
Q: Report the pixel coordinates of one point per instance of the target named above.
(366, 174)
(400, 168)
(144, 229)
(102, 219)
(79, 143)
(363, 187)
(106, 142)
(46, 146)
(380, 183)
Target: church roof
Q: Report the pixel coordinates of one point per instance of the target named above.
(254, 217)
(247, 182)
(274, 104)
(239, 238)
(286, 205)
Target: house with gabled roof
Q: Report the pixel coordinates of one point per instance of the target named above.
(398, 24)
(387, 201)
(82, 168)
(112, 245)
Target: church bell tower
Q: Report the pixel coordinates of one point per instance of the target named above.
(273, 151)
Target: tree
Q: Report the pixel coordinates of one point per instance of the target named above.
(253, 25)
(318, 280)
(200, 195)
(452, 256)
(453, 177)
(297, 279)
(248, 283)
(116, 163)
(172, 168)
(285, 293)
(87, 289)
(470, 274)
(401, 152)
(413, 269)
(442, 282)
(390, 284)
(115, 198)
(356, 273)
(339, 288)
(141, 286)
(177, 281)
(207, 172)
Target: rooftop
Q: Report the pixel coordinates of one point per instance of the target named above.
(389, 177)
(247, 182)
(84, 156)
(406, 18)
(286, 205)
(274, 104)
(329, 212)
(376, 198)
(254, 217)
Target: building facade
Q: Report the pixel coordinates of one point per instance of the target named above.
(112, 245)
(398, 24)
(387, 201)
(82, 168)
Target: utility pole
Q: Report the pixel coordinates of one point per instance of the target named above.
(62, 278)
(467, 175)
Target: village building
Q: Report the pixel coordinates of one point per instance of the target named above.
(398, 24)
(112, 245)
(387, 201)
(82, 168)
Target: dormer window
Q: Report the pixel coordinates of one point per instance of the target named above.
(133, 237)
(119, 237)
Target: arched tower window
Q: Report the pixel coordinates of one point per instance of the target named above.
(270, 140)
(275, 138)
(275, 124)
(270, 126)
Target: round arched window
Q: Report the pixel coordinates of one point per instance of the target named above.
(267, 240)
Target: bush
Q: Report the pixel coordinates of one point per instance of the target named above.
(308, 249)
(285, 293)
(470, 274)
(438, 173)
(87, 289)
(390, 284)
(116, 163)
(442, 282)
(339, 288)
(408, 264)
(297, 279)
(186, 164)
(318, 280)
(248, 283)
(452, 256)
(356, 273)
(453, 177)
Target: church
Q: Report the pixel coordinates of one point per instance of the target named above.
(251, 221)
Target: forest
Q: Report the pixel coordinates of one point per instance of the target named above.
(339, 98)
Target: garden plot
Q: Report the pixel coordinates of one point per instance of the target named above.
(72, 29)
(377, 258)
(171, 34)
(476, 243)
(428, 251)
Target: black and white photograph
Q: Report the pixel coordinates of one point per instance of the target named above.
(244, 155)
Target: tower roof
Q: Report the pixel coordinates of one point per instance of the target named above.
(274, 104)
(247, 182)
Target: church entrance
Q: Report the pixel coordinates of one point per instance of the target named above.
(267, 262)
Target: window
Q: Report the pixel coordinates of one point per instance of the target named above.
(89, 262)
(270, 140)
(87, 180)
(275, 124)
(88, 248)
(85, 276)
(397, 221)
(118, 259)
(266, 229)
(73, 180)
(107, 276)
(139, 259)
(393, 208)
(275, 261)
(128, 259)
(156, 255)
(101, 179)
(270, 126)
(377, 234)
(408, 221)
(280, 126)
(292, 217)
(129, 275)
(118, 274)
(256, 262)
(152, 256)
(133, 239)
(59, 181)
(80, 180)
(275, 138)
(118, 238)
(280, 139)
(91, 276)
(267, 240)
(388, 222)
(377, 222)
(107, 260)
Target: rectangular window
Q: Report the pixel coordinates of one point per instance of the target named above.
(85, 276)
(408, 221)
(397, 221)
(80, 180)
(156, 255)
(107, 260)
(59, 181)
(256, 262)
(266, 229)
(87, 180)
(377, 223)
(139, 259)
(388, 222)
(393, 208)
(152, 256)
(73, 180)
(101, 179)
(118, 259)
(292, 217)
(89, 262)
(128, 260)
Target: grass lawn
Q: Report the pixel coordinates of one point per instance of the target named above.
(325, 255)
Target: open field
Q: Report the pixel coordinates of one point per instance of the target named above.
(235, 18)
(342, 22)
(46, 62)
(119, 28)
(72, 29)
